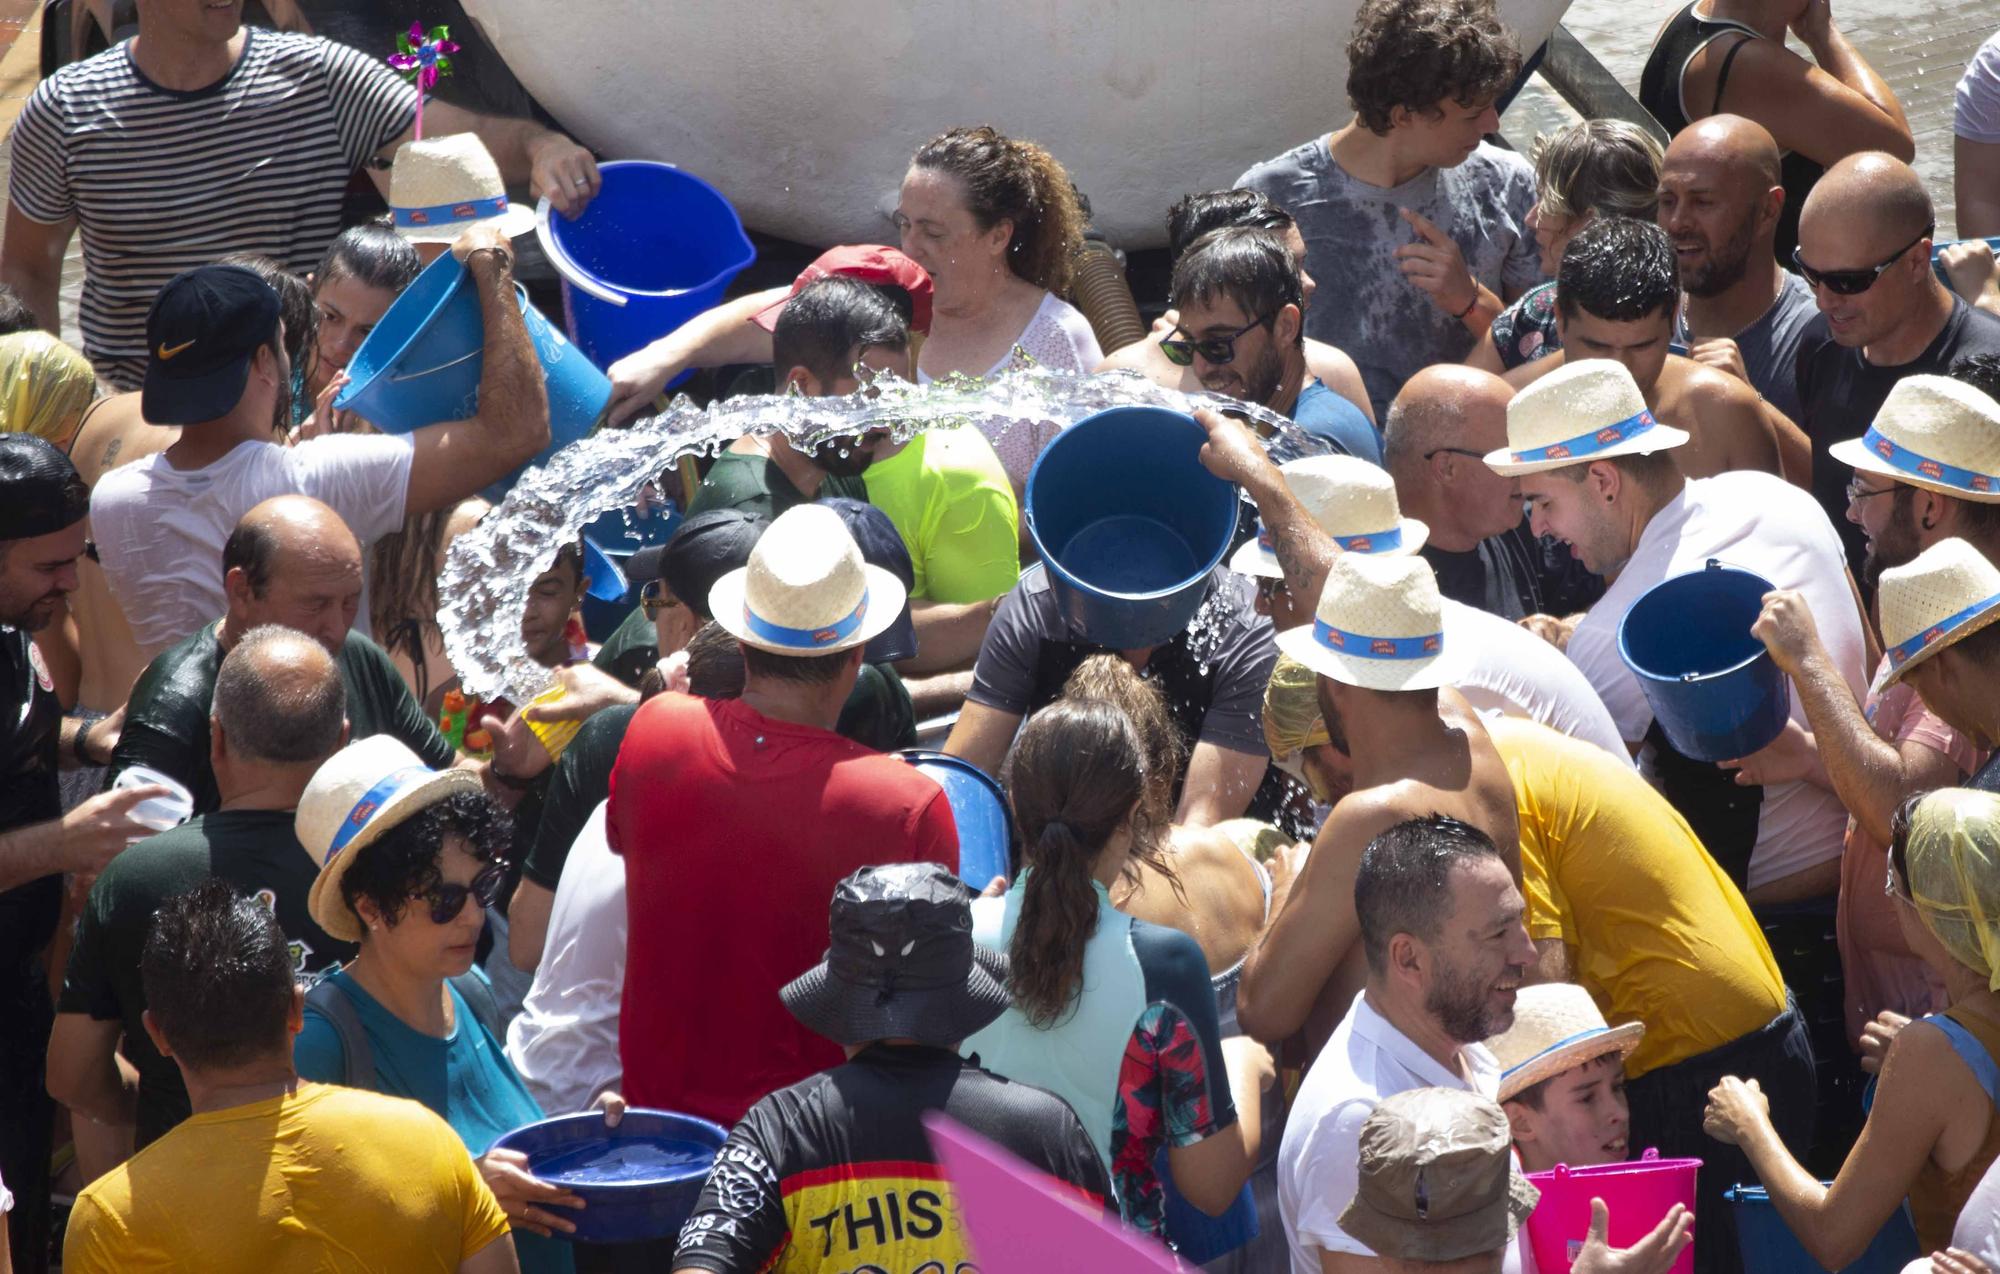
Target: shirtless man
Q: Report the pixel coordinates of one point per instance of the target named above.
(1426, 752)
(1616, 297)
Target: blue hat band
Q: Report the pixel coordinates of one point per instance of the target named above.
(807, 638)
(447, 213)
(386, 789)
(1340, 641)
(1378, 542)
(1577, 1038)
(1918, 465)
(1585, 445)
(1931, 636)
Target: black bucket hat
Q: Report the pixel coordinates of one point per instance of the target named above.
(903, 962)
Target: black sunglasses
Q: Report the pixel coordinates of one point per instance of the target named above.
(448, 900)
(1854, 282)
(1456, 451)
(1219, 350)
(653, 598)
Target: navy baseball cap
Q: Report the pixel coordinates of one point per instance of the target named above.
(882, 545)
(204, 328)
(702, 550)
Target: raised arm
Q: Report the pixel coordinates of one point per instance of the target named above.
(549, 162)
(713, 338)
(1305, 553)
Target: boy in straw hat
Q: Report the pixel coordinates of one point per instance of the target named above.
(1562, 1081)
(1599, 473)
(737, 818)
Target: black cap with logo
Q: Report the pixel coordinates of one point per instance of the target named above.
(204, 328)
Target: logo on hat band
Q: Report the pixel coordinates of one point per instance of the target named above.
(1367, 647)
(1935, 633)
(1922, 466)
(386, 789)
(1374, 542)
(807, 638)
(463, 210)
(1577, 1038)
(1589, 444)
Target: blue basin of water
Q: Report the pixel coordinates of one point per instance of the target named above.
(639, 1181)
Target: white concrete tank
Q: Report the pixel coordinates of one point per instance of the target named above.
(805, 112)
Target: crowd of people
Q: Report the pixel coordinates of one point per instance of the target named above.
(1329, 920)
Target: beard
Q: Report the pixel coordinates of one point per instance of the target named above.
(1895, 546)
(1460, 1003)
(1725, 265)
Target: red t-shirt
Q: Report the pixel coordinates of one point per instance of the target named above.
(735, 828)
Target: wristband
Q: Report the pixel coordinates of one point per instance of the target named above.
(509, 781)
(1460, 316)
(78, 745)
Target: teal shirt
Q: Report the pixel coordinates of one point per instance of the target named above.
(465, 1078)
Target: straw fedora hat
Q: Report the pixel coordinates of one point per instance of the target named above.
(440, 187)
(806, 590)
(1380, 625)
(362, 791)
(1348, 498)
(1584, 411)
(1932, 432)
(1556, 1026)
(1946, 593)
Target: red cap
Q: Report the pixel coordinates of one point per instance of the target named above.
(869, 263)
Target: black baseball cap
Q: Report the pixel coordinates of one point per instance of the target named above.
(205, 326)
(703, 549)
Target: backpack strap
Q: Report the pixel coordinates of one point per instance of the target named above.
(1972, 1053)
(338, 1009)
(477, 992)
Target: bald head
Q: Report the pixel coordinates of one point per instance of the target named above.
(282, 531)
(1446, 405)
(292, 561)
(1873, 190)
(1728, 145)
(279, 699)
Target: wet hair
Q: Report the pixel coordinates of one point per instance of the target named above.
(1981, 371)
(403, 862)
(1981, 647)
(1079, 771)
(1602, 166)
(1110, 679)
(1618, 269)
(1899, 836)
(279, 697)
(373, 256)
(812, 670)
(253, 546)
(1008, 180)
(1196, 215)
(831, 322)
(715, 663)
(1250, 267)
(14, 313)
(1652, 470)
(403, 602)
(1418, 53)
(217, 974)
(1404, 882)
(1534, 1096)
(300, 316)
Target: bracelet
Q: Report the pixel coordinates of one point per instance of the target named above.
(1468, 305)
(505, 257)
(79, 744)
(509, 781)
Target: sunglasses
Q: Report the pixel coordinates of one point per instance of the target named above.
(1854, 282)
(446, 901)
(653, 599)
(1219, 350)
(1455, 451)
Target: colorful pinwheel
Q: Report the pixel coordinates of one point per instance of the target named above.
(422, 59)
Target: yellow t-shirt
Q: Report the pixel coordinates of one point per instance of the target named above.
(1655, 930)
(324, 1179)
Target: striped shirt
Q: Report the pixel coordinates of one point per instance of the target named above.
(162, 181)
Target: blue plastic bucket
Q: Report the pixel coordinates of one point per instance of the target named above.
(621, 533)
(1713, 686)
(1770, 1247)
(1937, 255)
(979, 807)
(421, 364)
(664, 240)
(639, 1181)
(1128, 524)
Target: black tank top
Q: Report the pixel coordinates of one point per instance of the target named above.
(1660, 92)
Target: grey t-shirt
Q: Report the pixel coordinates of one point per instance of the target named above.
(1366, 307)
(1770, 346)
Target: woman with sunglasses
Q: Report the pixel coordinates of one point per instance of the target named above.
(1934, 1128)
(410, 858)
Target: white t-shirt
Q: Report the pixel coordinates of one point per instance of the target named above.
(565, 1041)
(1978, 1229)
(160, 530)
(1760, 523)
(1319, 1161)
(1059, 338)
(1517, 674)
(1976, 112)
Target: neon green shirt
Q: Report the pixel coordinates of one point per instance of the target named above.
(954, 507)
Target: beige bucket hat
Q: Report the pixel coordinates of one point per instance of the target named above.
(1583, 411)
(806, 590)
(360, 792)
(1437, 1180)
(1380, 625)
(1556, 1026)
(1348, 498)
(1946, 593)
(1932, 432)
(440, 187)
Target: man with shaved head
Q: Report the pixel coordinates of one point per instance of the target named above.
(1865, 249)
(1445, 419)
(290, 561)
(1721, 199)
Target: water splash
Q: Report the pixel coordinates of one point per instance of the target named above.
(484, 584)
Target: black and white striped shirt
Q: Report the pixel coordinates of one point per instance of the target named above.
(162, 181)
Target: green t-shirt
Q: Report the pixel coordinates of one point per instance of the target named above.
(955, 509)
(633, 647)
(166, 721)
(256, 851)
(755, 484)
(879, 713)
(581, 782)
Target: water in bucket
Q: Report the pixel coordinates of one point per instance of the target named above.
(1639, 1195)
(1129, 554)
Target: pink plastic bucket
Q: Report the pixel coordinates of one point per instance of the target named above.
(1639, 1194)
